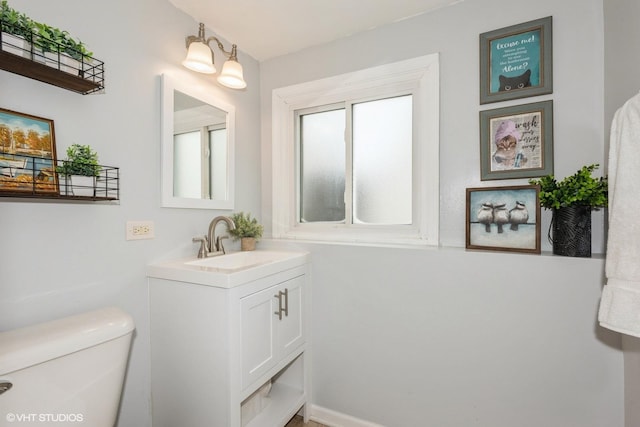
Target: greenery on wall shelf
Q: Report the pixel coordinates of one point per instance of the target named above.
(81, 160)
(246, 226)
(51, 39)
(15, 23)
(579, 189)
(43, 36)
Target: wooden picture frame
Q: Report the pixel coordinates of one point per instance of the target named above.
(516, 61)
(517, 141)
(503, 218)
(27, 154)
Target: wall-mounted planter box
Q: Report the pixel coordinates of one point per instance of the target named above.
(19, 56)
(77, 185)
(15, 45)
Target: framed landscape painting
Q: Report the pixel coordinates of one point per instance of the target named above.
(27, 153)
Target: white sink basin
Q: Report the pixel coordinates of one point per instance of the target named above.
(228, 270)
(239, 260)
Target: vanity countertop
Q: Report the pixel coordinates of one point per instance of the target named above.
(230, 270)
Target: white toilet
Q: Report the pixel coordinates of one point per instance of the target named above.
(67, 372)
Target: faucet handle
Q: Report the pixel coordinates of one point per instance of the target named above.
(219, 245)
(202, 252)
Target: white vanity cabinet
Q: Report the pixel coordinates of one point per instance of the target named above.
(233, 355)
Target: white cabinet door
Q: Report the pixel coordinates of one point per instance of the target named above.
(290, 335)
(257, 329)
(271, 327)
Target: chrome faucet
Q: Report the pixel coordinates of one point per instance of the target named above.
(211, 245)
(215, 243)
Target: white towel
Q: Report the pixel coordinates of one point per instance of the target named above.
(620, 302)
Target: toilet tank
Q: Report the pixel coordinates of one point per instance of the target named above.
(67, 372)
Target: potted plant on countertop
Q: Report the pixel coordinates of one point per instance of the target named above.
(572, 201)
(79, 171)
(248, 230)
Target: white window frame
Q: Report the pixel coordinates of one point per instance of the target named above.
(418, 76)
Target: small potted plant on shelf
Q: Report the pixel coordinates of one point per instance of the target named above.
(51, 46)
(17, 31)
(248, 230)
(57, 47)
(79, 171)
(572, 201)
(47, 43)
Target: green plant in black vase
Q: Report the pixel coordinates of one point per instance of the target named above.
(572, 200)
(579, 189)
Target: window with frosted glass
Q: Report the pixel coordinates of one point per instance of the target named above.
(380, 144)
(186, 165)
(386, 174)
(382, 166)
(322, 166)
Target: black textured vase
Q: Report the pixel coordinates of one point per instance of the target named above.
(572, 231)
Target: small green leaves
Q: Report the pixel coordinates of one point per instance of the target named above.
(81, 160)
(45, 37)
(578, 189)
(246, 226)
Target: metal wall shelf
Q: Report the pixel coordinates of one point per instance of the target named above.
(23, 176)
(47, 74)
(80, 73)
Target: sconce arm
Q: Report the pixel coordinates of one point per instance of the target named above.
(233, 55)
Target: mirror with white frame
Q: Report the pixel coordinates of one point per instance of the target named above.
(197, 147)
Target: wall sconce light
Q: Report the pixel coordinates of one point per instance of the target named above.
(200, 58)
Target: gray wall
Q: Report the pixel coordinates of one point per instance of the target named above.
(443, 336)
(454, 338)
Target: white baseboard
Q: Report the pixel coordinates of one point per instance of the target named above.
(336, 419)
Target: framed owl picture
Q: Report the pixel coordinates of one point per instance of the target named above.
(503, 218)
(516, 61)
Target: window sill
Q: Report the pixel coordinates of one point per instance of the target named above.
(358, 239)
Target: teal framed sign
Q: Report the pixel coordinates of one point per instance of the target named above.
(516, 61)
